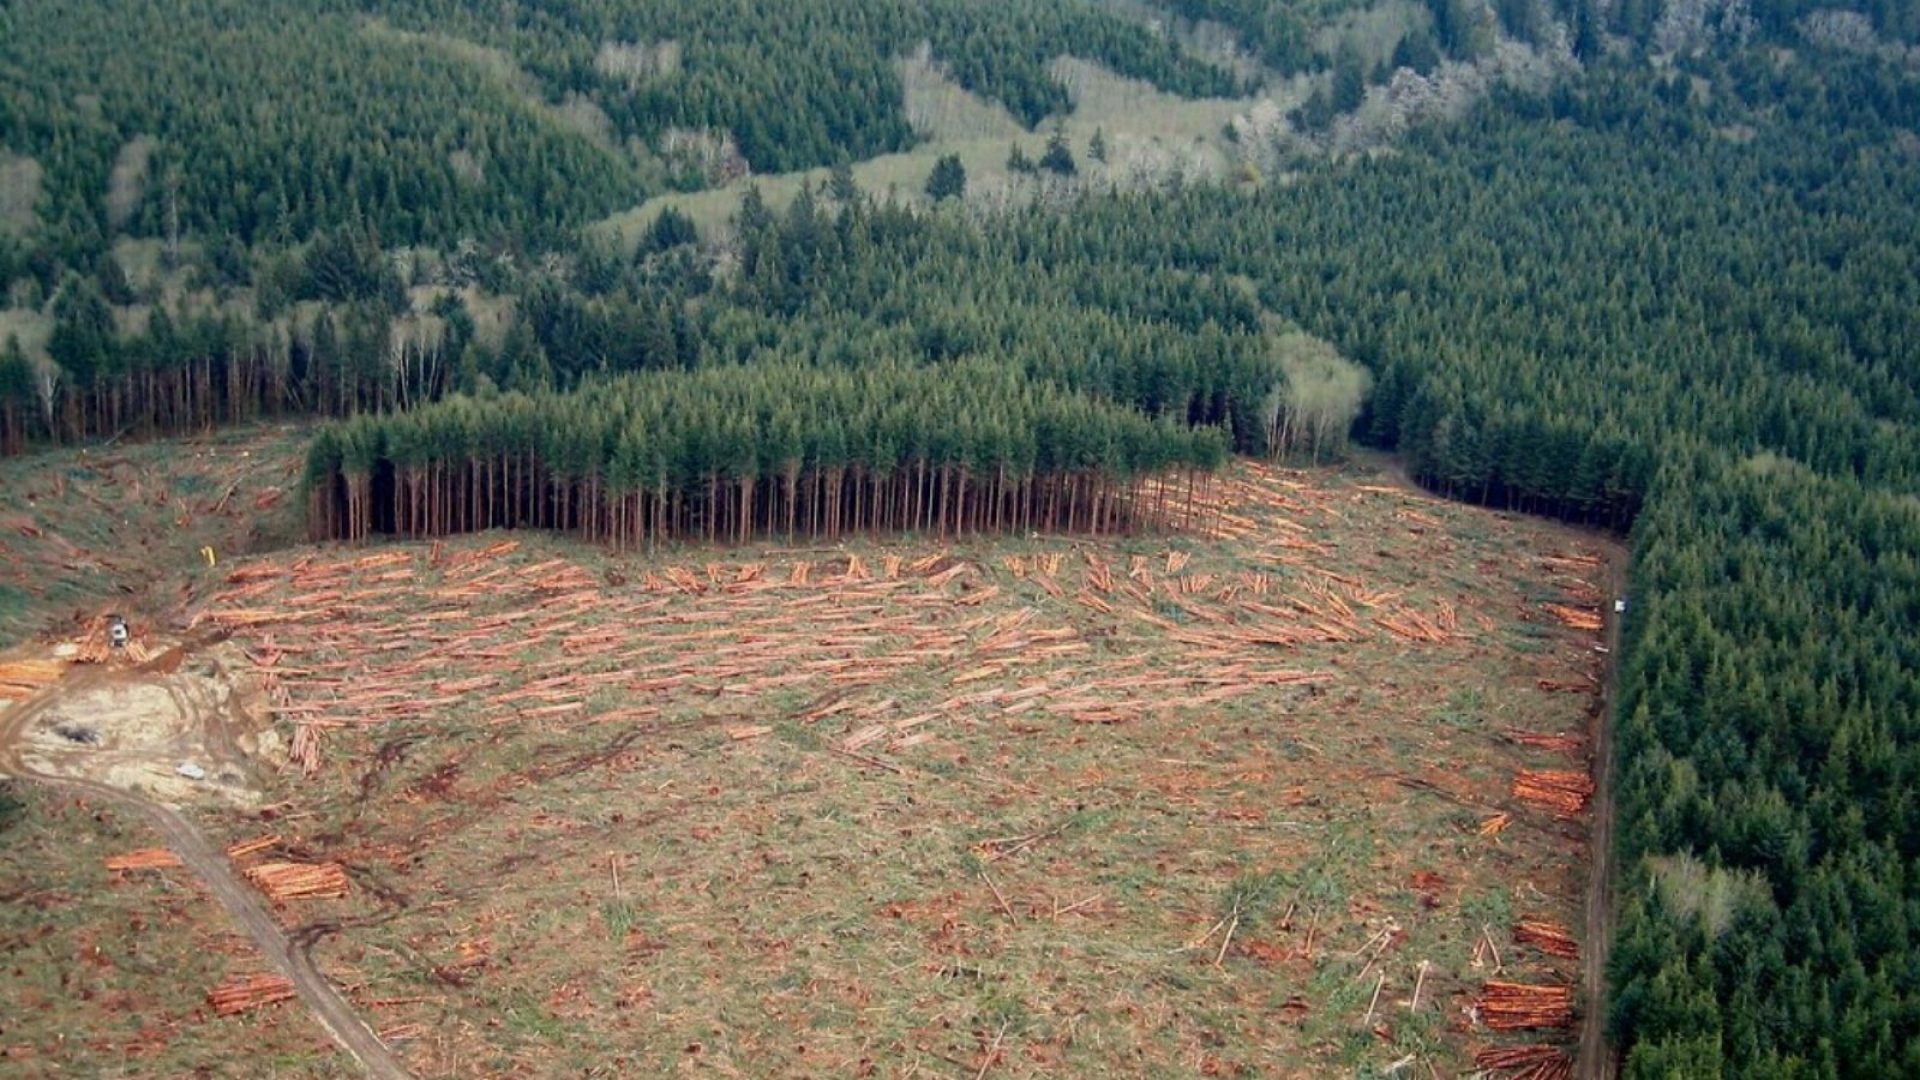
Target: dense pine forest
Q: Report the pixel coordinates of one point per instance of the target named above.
(766, 450)
(435, 120)
(1671, 294)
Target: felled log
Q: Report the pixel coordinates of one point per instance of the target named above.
(144, 859)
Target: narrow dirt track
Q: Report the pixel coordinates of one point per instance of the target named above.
(241, 902)
(1595, 1060)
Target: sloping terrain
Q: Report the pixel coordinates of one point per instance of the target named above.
(120, 528)
(1282, 792)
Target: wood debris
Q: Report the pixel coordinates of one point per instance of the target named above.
(306, 748)
(248, 992)
(144, 859)
(1526, 1062)
(1505, 1006)
(1564, 792)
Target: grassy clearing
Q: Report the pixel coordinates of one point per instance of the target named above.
(32, 328)
(1136, 806)
(1148, 132)
(1375, 29)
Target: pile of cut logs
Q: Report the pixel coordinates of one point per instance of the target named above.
(1550, 938)
(1526, 1062)
(298, 881)
(1563, 792)
(1507, 1006)
(248, 992)
(22, 679)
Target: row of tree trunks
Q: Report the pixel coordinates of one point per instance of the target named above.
(205, 392)
(450, 497)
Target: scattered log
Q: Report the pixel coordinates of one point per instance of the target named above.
(1571, 745)
(144, 859)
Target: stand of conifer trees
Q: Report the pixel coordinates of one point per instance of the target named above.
(734, 454)
(212, 369)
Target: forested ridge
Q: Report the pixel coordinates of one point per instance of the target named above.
(435, 120)
(1608, 304)
(1675, 298)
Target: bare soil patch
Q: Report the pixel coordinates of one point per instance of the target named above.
(179, 731)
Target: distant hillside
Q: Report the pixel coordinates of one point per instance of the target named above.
(432, 119)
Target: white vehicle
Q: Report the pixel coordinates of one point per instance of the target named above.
(191, 771)
(1619, 607)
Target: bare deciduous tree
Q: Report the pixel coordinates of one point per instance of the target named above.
(1322, 394)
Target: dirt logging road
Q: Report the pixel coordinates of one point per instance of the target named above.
(201, 857)
(1596, 1058)
(326, 1004)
